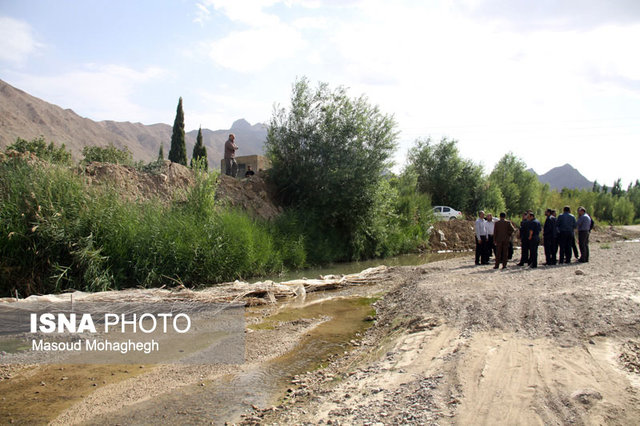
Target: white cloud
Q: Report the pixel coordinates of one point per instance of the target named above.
(17, 41)
(249, 12)
(100, 92)
(202, 14)
(264, 41)
(255, 49)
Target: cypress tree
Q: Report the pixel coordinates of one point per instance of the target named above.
(178, 151)
(199, 151)
(161, 152)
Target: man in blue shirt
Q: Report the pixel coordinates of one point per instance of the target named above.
(584, 228)
(566, 225)
(534, 239)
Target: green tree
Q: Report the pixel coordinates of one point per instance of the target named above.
(178, 151)
(603, 208)
(623, 211)
(328, 154)
(161, 152)
(520, 188)
(445, 176)
(199, 152)
(493, 201)
(634, 196)
(616, 189)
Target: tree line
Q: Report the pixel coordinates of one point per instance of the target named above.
(510, 187)
(331, 164)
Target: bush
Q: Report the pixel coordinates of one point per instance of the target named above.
(108, 154)
(41, 149)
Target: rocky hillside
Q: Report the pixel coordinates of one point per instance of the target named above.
(25, 116)
(565, 177)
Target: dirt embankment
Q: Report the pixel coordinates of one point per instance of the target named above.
(171, 180)
(457, 343)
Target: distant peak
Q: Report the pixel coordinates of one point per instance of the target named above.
(240, 124)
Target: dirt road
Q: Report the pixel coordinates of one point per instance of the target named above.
(463, 344)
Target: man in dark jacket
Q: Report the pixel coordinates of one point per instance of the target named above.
(550, 233)
(534, 239)
(566, 225)
(524, 239)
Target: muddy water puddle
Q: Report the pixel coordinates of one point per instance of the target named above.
(36, 395)
(343, 319)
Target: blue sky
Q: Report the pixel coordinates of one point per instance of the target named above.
(553, 82)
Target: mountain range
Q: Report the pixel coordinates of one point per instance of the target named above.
(28, 117)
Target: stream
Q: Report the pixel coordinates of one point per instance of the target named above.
(342, 316)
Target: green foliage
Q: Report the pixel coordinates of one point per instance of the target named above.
(108, 154)
(493, 201)
(57, 233)
(161, 152)
(178, 151)
(200, 152)
(623, 211)
(328, 153)
(520, 188)
(449, 179)
(41, 149)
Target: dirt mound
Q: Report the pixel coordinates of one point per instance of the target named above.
(253, 195)
(456, 235)
(162, 182)
(167, 180)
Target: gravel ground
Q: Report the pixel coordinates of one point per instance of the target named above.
(457, 343)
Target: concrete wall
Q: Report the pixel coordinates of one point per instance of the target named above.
(257, 163)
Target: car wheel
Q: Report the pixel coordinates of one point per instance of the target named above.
(452, 218)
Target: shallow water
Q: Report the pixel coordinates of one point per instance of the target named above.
(226, 399)
(355, 267)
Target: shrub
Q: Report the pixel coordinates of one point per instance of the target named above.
(108, 154)
(49, 152)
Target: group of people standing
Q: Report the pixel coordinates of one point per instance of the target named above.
(496, 236)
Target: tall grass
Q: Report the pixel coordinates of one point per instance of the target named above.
(57, 233)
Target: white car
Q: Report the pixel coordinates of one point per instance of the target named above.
(446, 213)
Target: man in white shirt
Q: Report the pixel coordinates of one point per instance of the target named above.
(491, 247)
(481, 239)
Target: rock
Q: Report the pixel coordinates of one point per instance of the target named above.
(586, 396)
(579, 272)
